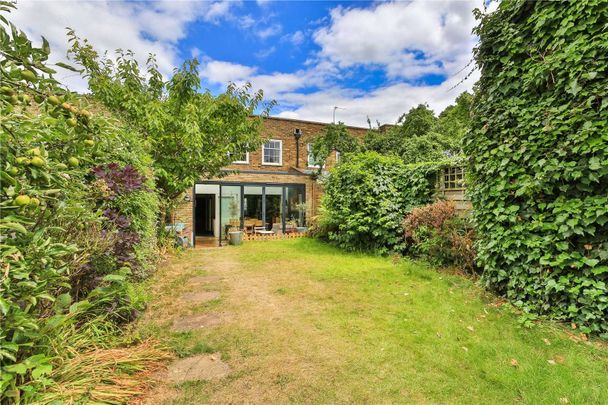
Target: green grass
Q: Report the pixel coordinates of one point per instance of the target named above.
(343, 327)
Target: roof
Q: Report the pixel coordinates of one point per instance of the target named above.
(310, 122)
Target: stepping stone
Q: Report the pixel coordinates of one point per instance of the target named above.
(201, 296)
(202, 367)
(195, 322)
(205, 279)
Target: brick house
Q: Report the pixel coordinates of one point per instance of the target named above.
(272, 189)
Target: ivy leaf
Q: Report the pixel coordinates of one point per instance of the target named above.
(574, 88)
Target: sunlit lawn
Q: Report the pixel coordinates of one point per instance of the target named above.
(309, 323)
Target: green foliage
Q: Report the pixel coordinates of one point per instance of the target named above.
(366, 198)
(192, 134)
(455, 120)
(335, 137)
(57, 243)
(539, 158)
(419, 136)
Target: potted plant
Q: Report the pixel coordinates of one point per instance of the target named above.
(235, 235)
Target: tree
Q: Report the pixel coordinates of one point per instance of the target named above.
(192, 134)
(334, 137)
(455, 120)
(422, 137)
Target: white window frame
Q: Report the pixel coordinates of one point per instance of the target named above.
(280, 153)
(308, 156)
(242, 162)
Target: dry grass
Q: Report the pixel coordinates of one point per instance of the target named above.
(112, 376)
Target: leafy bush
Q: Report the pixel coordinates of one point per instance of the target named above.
(61, 223)
(438, 234)
(367, 196)
(539, 158)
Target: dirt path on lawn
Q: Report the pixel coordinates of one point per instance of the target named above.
(259, 345)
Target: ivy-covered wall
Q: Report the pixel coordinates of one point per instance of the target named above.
(539, 158)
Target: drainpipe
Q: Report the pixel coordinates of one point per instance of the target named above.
(297, 134)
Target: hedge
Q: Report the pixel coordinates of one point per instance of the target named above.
(539, 158)
(367, 196)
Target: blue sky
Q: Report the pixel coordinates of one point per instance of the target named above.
(371, 59)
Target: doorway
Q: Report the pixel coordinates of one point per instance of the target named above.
(204, 215)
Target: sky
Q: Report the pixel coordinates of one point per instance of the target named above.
(370, 59)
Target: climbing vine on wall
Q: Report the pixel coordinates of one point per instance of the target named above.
(538, 153)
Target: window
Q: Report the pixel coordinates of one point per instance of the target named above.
(240, 158)
(453, 178)
(311, 160)
(272, 153)
(338, 156)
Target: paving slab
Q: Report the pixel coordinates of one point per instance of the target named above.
(197, 368)
(195, 322)
(200, 296)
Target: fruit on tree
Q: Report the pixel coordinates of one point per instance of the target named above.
(7, 90)
(22, 161)
(71, 122)
(13, 171)
(54, 100)
(22, 200)
(73, 161)
(28, 75)
(89, 142)
(34, 202)
(34, 151)
(37, 161)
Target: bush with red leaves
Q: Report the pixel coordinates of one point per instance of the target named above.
(436, 232)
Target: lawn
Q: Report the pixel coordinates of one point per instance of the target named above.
(304, 322)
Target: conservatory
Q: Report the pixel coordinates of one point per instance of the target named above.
(219, 207)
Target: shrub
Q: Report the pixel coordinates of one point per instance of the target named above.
(367, 196)
(539, 158)
(436, 233)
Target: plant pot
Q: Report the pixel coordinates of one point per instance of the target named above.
(235, 237)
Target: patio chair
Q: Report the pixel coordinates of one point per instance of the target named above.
(260, 230)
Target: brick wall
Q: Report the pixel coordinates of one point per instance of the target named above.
(282, 129)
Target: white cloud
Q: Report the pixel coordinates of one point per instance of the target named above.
(225, 72)
(384, 104)
(269, 31)
(297, 38)
(264, 53)
(409, 39)
(153, 27)
(246, 21)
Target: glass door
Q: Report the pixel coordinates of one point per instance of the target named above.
(295, 204)
(230, 209)
(252, 208)
(274, 209)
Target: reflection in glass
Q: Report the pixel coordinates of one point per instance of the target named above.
(274, 209)
(252, 208)
(231, 209)
(296, 208)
